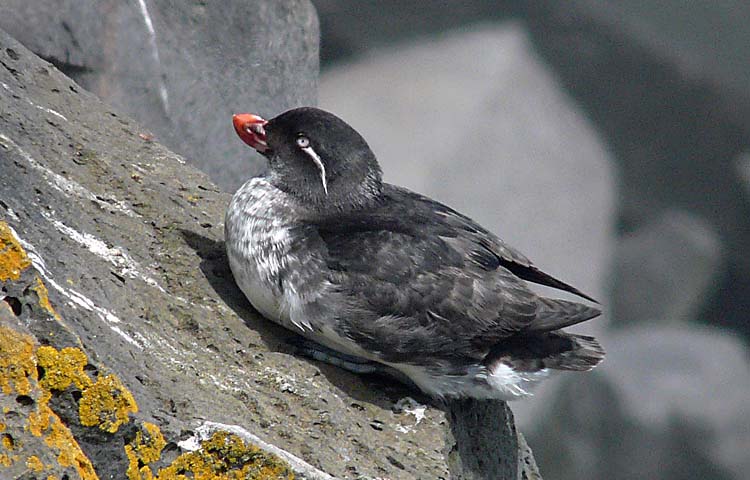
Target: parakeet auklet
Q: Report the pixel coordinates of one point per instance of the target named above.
(321, 245)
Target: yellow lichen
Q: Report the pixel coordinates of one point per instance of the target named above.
(13, 258)
(7, 442)
(106, 404)
(18, 375)
(225, 456)
(17, 363)
(34, 464)
(43, 294)
(70, 454)
(144, 449)
(61, 368)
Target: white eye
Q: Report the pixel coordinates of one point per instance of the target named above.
(303, 142)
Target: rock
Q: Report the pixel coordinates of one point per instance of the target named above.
(669, 402)
(670, 111)
(350, 32)
(492, 135)
(742, 164)
(471, 454)
(135, 342)
(163, 63)
(666, 270)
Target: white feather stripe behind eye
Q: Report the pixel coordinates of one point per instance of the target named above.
(319, 163)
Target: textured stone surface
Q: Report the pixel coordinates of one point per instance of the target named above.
(492, 135)
(664, 271)
(182, 68)
(127, 239)
(673, 398)
(480, 456)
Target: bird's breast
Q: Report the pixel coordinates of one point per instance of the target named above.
(257, 234)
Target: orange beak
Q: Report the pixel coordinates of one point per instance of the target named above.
(250, 129)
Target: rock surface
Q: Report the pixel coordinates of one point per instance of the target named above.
(126, 238)
(182, 68)
(492, 135)
(674, 398)
(664, 271)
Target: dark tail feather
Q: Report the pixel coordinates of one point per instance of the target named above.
(554, 314)
(532, 274)
(554, 350)
(585, 354)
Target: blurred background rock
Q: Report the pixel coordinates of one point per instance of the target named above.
(610, 141)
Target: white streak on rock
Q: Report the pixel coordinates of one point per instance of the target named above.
(163, 94)
(13, 214)
(62, 184)
(48, 110)
(412, 407)
(75, 298)
(301, 468)
(114, 255)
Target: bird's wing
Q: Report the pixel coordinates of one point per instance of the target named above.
(423, 279)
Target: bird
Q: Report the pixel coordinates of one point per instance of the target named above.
(375, 274)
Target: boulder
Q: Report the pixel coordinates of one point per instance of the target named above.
(742, 165)
(669, 402)
(127, 350)
(665, 271)
(182, 68)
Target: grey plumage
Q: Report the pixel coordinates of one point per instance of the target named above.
(376, 271)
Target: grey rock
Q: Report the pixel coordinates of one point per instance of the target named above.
(182, 68)
(702, 43)
(669, 402)
(492, 135)
(667, 105)
(742, 164)
(474, 456)
(666, 270)
(127, 239)
(350, 32)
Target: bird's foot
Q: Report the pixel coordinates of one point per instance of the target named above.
(307, 348)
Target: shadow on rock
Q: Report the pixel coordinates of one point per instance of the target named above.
(379, 389)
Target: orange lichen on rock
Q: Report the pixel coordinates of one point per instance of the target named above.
(43, 294)
(13, 258)
(34, 464)
(17, 363)
(61, 368)
(144, 449)
(225, 456)
(18, 375)
(106, 404)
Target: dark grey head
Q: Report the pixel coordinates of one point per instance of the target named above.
(314, 156)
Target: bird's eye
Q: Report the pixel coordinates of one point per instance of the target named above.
(303, 142)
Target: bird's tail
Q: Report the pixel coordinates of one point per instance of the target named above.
(584, 354)
(551, 350)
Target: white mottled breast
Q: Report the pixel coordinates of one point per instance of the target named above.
(285, 281)
(257, 240)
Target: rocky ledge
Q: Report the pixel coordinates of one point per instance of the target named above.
(126, 350)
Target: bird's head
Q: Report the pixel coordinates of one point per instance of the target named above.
(314, 156)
